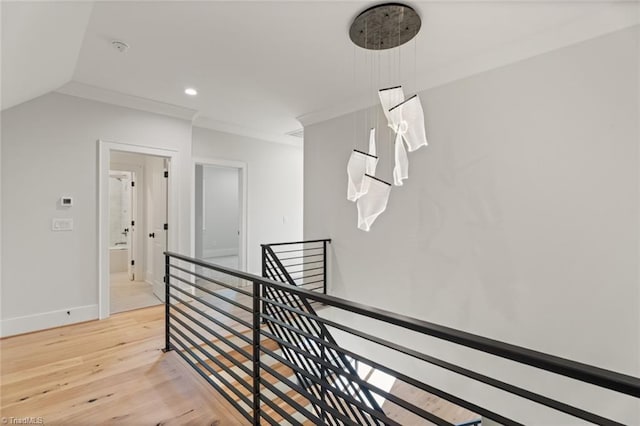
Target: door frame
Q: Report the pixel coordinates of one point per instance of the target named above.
(243, 196)
(104, 155)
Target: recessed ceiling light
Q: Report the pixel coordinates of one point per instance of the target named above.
(190, 91)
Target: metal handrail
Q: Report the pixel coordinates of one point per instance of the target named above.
(607, 379)
(299, 242)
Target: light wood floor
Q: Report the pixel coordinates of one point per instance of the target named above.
(106, 372)
(128, 295)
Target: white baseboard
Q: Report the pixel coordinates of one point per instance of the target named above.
(36, 322)
(207, 253)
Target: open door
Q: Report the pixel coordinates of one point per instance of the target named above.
(159, 226)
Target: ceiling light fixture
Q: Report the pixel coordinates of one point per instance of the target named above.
(190, 91)
(381, 27)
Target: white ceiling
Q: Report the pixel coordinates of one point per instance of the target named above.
(262, 67)
(37, 55)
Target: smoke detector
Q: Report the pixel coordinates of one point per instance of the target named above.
(120, 46)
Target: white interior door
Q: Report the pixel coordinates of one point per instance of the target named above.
(159, 224)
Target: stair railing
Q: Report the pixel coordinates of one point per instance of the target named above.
(306, 255)
(222, 330)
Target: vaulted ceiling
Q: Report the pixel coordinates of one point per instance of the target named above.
(261, 68)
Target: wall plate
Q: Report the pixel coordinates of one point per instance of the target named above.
(62, 224)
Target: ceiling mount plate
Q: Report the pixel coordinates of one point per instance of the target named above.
(385, 26)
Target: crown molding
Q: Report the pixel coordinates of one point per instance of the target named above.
(612, 17)
(96, 93)
(237, 129)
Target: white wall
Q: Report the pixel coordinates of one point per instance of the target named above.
(274, 178)
(519, 222)
(50, 149)
(221, 207)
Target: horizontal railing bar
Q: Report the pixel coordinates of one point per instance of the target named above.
(300, 257)
(225, 341)
(218, 376)
(213, 293)
(236, 333)
(308, 276)
(316, 288)
(212, 280)
(300, 249)
(308, 395)
(212, 306)
(303, 263)
(532, 396)
(221, 351)
(232, 401)
(268, 418)
(363, 383)
(279, 409)
(349, 399)
(305, 270)
(312, 282)
(229, 271)
(597, 376)
(296, 242)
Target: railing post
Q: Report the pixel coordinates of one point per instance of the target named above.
(324, 267)
(256, 352)
(167, 343)
(264, 275)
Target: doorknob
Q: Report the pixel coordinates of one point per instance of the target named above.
(152, 235)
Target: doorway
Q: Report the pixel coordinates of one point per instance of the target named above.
(137, 230)
(220, 212)
(135, 211)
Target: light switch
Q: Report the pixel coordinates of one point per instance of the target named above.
(65, 224)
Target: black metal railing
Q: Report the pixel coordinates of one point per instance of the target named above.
(311, 253)
(304, 263)
(226, 332)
